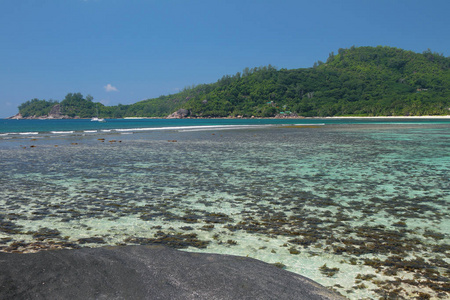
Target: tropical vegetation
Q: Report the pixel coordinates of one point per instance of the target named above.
(362, 81)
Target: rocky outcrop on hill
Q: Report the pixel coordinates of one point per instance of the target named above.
(179, 114)
(287, 115)
(17, 117)
(148, 272)
(55, 113)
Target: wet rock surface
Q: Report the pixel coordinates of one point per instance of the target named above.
(148, 272)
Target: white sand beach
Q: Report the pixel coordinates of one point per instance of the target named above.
(392, 117)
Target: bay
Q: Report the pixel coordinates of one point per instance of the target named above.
(359, 205)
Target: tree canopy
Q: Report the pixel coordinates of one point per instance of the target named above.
(75, 105)
(36, 107)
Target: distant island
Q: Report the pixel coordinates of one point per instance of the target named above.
(359, 81)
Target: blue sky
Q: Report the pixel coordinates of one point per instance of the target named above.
(124, 51)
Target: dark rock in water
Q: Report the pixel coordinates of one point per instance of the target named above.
(148, 272)
(92, 240)
(46, 233)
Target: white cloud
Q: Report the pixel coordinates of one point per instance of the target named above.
(110, 88)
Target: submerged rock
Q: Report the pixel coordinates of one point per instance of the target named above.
(148, 272)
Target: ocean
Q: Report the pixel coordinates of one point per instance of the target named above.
(358, 205)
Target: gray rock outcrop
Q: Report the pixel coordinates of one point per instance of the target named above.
(55, 112)
(179, 114)
(148, 272)
(17, 116)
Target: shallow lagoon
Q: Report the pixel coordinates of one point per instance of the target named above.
(361, 208)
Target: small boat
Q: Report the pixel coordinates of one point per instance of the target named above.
(96, 119)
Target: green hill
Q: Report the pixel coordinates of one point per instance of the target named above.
(363, 81)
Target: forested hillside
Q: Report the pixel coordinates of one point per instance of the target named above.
(363, 81)
(357, 81)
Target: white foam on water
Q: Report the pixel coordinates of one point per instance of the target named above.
(62, 132)
(192, 128)
(319, 124)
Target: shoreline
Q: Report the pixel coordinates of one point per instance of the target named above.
(268, 118)
(391, 117)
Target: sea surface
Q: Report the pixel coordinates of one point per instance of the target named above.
(358, 205)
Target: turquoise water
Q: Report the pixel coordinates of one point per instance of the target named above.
(30, 127)
(360, 206)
